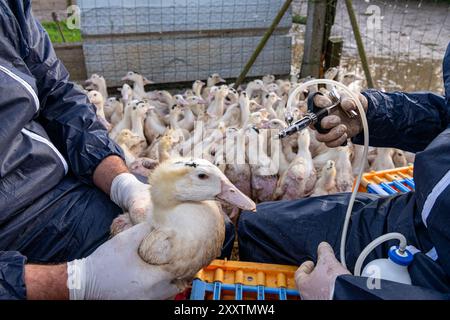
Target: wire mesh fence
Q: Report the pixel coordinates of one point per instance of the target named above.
(405, 41)
(181, 40)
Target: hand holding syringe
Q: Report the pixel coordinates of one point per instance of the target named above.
(343, 120)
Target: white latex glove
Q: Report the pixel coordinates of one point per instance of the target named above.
(317, 282)
(116, 271)
(132, 196)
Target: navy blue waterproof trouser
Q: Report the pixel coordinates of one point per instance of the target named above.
(289, 232)
(69, 222)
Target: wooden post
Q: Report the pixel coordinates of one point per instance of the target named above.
(55, 18)
(263, 42)
(329, 22)
(314, 35)
(334, 52)
(359, 43)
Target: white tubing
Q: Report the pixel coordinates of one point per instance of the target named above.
(374, 244)
(362, 113)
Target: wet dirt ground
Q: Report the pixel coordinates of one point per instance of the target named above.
(405, 41)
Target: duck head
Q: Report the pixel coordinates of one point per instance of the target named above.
(214, 79)
(95, 98)
(183, 180)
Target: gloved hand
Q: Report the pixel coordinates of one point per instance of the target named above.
(341, 127)
(317, 282)
(132, 196)
(116, 271)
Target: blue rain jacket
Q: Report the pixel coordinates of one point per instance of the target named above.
(289, 232)
(50, 144)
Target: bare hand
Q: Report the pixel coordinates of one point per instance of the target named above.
(317, 282)
(340, 125)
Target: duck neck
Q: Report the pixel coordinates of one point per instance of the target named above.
(277, 153)
(163, 203)
(249, 92)
(127, 117)
(129, 157)
(188, 114)
(102, 88)
(155, 124)
(329, 181)
(220, 102)
(174, 121)
(163, 151)
(198, 91)
(138, 88)
(245, 111)
(303, 149)
(137, 125)
(119, 109)
(100, 110)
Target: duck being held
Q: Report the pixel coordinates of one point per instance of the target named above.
(188, 226)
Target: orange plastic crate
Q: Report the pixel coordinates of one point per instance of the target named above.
(238, 280)
(388, 182)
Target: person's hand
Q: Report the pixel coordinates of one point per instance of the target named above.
(116, 271)
(317, 282)
(340, 125)
(132, 196)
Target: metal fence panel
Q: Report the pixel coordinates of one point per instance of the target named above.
(182, 40)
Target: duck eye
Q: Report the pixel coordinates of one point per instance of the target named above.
(202, 176)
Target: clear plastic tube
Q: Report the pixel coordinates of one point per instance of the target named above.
(374, 244)
(362, 113)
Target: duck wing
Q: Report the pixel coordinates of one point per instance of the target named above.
(157, 247)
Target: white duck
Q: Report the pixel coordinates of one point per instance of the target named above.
(153, 125)
(127, 140)
(213, 80)
(188, 226)
(268, 79)
(197, 87)
(383, 160)
(113, 110)
(341, 157)
(138, 113)
(97, 100)
(358, 154)
(196, 105)
(98, 83)
(125, 123)
(299, 179)
(270, 100)
(253, 87)
(264, 171)
(216, 108)
(126, 93)
(399, 158)
(326, 184)
(139, 81)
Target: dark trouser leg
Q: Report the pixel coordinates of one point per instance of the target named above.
(68, 223)
(289, 232)
(229, 239)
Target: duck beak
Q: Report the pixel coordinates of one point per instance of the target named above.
(234, 196)
(201, 101)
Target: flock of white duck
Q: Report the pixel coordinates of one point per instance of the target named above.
(155, 126)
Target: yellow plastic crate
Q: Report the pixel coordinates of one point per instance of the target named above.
(388, 182)
(238, 280)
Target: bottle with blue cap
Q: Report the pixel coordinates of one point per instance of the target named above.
(394, 268)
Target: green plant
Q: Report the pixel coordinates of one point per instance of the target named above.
(55, 36)
(299, 19)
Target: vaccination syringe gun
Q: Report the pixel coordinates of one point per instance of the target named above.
(393, 268)
(315, 115)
